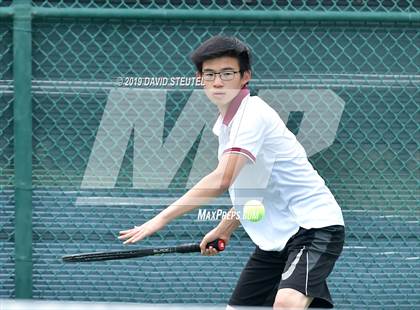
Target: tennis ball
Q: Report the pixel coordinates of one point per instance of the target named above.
(254, 210)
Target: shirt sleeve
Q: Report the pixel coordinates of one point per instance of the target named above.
(247, 134)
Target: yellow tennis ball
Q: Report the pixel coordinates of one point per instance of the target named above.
(254, 210)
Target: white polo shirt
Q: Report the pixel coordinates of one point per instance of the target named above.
(278, 174)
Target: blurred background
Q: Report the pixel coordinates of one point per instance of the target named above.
(82, 156)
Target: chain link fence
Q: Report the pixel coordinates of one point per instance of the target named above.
(108, 156)
(264, 5)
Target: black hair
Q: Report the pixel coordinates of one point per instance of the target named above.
(220, 46)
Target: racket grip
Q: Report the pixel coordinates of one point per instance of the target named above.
(218, 244)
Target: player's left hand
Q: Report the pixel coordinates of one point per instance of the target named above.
(140, 232)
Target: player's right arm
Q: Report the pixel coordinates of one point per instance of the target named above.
(209, 187)
(222, 231)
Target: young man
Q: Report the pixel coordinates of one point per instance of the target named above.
(302, 233)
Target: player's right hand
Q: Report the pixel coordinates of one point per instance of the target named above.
(211, 236)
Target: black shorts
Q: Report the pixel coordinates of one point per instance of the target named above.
(304, 265)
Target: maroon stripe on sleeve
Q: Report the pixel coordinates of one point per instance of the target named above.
(240, 150)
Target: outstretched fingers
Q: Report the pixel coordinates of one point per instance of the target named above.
(136, 237)
(133, 235)
(140, 232)
(125, 234)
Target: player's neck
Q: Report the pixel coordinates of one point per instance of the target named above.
(223, 109)
(227, 111)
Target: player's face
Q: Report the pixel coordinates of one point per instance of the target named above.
(222, 79)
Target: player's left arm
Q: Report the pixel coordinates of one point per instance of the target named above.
(212, 185)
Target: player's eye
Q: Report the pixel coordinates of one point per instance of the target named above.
(227, 75)
(208, 76)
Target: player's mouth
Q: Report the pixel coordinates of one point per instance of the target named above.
(219, 94)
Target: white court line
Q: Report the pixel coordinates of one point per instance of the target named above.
(9, 304)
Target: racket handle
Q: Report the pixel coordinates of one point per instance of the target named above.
(218, 244)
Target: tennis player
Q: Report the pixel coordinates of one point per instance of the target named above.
(301, 234)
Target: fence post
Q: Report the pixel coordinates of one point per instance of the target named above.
(22, 74)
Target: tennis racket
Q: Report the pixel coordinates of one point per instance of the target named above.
(218, 244)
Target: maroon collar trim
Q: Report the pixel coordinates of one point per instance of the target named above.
(234, 105)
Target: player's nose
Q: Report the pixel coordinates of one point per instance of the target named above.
(218, 82)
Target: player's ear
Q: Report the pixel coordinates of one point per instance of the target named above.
(246, 77)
